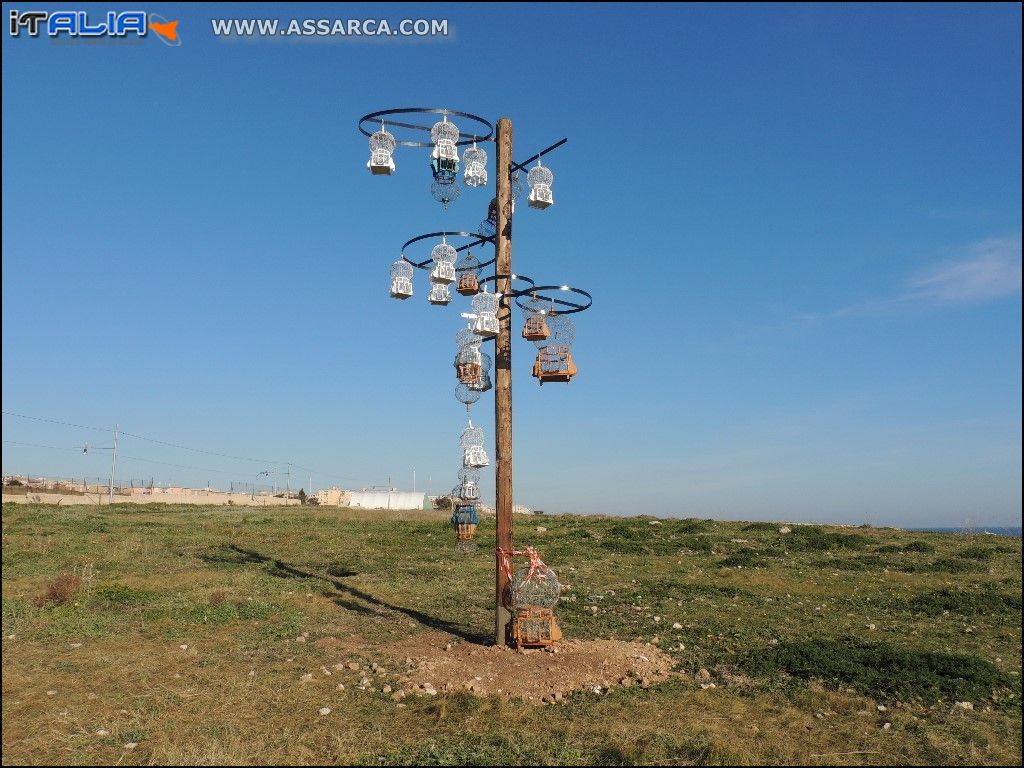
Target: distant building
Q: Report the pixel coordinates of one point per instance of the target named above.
(333, 497)
(389, 499)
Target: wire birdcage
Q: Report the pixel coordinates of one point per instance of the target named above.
(444, 256)
(468, 270)
(440, 294)
(475, 161)
(382, 147)
(534, 586)
(401, 279)
(540, 179)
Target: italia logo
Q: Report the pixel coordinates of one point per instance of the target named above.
(117, 24)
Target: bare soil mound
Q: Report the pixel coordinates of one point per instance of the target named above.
(436, 662)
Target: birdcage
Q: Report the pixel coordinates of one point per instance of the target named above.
(485, 305)
(472, 442)
(467, 491)
(532, 595)
(540, 179)
(445, 135)
(475, 160)
(444, 256)
(464, 521)
(482, 384)
(467, 268)
(440, 294)
(445, 192)
(554, 363)
(471, 363)
(535, 328)
(535, 628)
(401, 279)
(382, 146)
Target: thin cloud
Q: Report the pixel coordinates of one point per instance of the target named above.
(987, 271)
(992, 270)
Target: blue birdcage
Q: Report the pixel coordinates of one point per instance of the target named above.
(464, 521)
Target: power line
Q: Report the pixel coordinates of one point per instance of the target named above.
(55, 421)
(328, 476)
(37, 445)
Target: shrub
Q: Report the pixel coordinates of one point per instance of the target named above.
(966, 603)
(122, 594)
(880, 669)
(217, 597)
(811, 538)
(60, 591)
(912, 546)
(743, 558)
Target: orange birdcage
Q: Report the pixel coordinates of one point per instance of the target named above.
(536, 328)
(534, 626)
(554, 363)
(469, 284)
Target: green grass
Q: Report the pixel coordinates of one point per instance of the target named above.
(780, 620)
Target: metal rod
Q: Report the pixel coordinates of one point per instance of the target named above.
(520, 166)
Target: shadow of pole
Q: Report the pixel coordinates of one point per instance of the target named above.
(375, 606)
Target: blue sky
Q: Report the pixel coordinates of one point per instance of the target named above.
(801, 226)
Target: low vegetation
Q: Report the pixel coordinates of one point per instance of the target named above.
(183, 635)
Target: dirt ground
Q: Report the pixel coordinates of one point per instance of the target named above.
(435, 661)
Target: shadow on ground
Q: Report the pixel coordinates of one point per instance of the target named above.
(345, 596)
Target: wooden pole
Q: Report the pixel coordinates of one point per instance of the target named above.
(503, 374)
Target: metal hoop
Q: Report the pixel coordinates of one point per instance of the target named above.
(477, 240)
(514, 292)
(573, 306)
(376, 119)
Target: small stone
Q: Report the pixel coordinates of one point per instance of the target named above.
(541, 529)
(430, 690)
(886, 726)
(183, 646)
(398, 695)
(76, 645)
(51, 692)
(626, 682)
(703, 676)
(707, 686)
(657, 619)
(882, 708)
(869, 626)
(306, 634)
(324, 711)
(448, 646)
(326, 671)
(300, 639)
(386, 689)
(965, 705)
(252, 673)
(102, 732)
(131, 745)
(339, 667)
(596, 689)
(677, 625)
(785, 529)
(306, 677)
(354, 666)
(340, 687)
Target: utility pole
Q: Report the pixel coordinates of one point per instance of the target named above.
(113, 468)
(288, 486)
(503, 375)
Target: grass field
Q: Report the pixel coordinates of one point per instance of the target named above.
(186, 632)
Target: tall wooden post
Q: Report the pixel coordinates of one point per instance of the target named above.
(503, 372)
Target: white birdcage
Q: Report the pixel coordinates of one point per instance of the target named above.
(540, 179)
(475, 456)
(440, 294)
(401, 279)
(445, 135)
(476, 167)
(444, 256)
(471, 364)
(485, 305)
(467, 490)
(382, 147)
(472, 442)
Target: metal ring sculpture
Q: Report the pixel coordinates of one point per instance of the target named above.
(376, 119)
(426, 264)
(572, 306)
